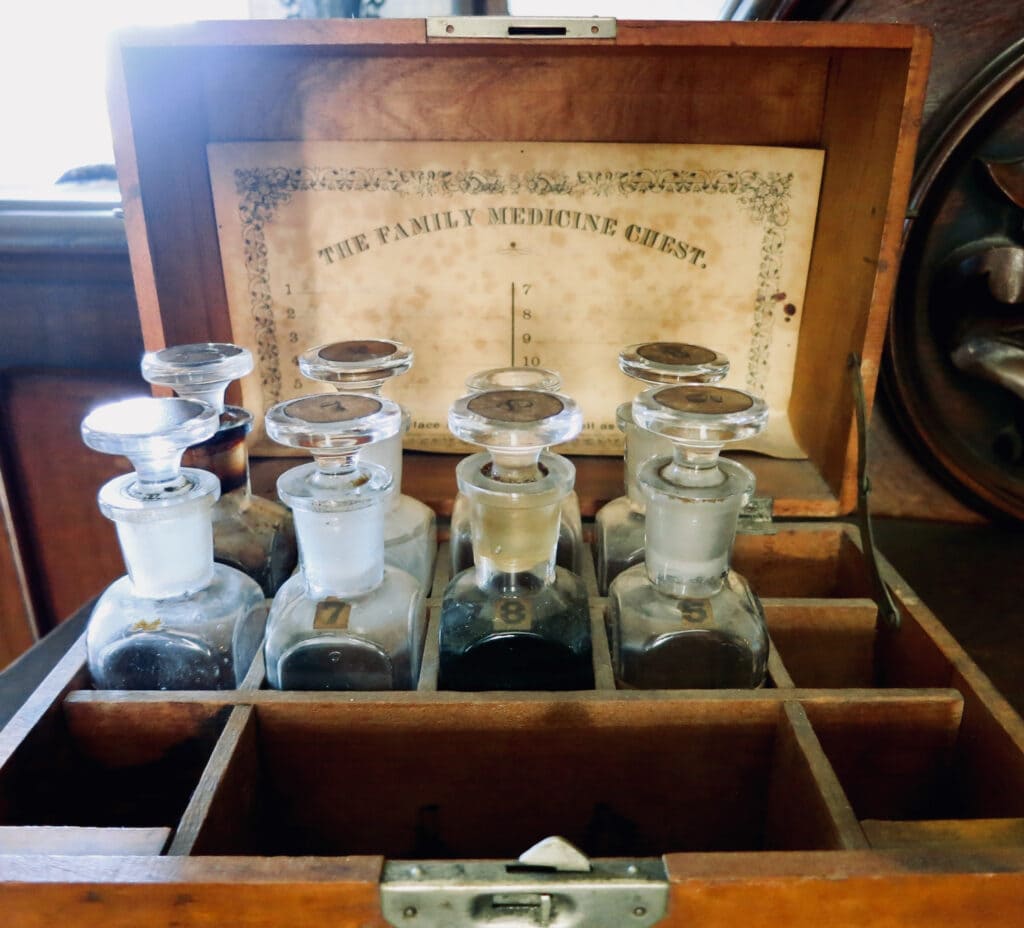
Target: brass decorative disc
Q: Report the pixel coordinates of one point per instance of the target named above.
(704, 400)
(332, 407)
(352, 352)
(199, 354)
(675, 353)
(516, 405)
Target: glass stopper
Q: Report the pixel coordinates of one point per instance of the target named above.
(510, 420)
(700, 416)
(329, 423)
(515, 426)
(333, 427)
(152, 434)
(672, 362)
(357, 364)
(514, 378)
(201, 371)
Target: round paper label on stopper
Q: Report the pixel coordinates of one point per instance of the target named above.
(516, 405)
(711, 401)
(352, 352)
(332, 408)
(675, 353)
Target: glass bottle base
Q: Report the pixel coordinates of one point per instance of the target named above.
(518, 633)
(373, 641)
(666, 642)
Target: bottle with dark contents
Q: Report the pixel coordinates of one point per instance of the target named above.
(570, 550)
(683, 619)
(254, 534)
(619, 525)
(346, 620)
(364, 366)
(515, 620)
(177, 621)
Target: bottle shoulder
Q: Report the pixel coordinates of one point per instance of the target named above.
(634, 596)
(396, 587)
(618, 511)
(227, 586)
(413, 509)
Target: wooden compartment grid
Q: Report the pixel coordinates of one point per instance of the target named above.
(859, 748)
(829, 679)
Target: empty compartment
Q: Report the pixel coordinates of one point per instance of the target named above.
(807, 561)
(925, 760)
(837, 643)
(108, 763)
(489, 778)
(826, 643)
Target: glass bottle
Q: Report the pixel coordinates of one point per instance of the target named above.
(254, 534)
(570, 551)
(346, 620)
(619, 524)
(362, 366)
(177, 620)
(515, 620)
(683, 619)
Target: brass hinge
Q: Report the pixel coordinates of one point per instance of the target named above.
(553, 885)
(521, 27)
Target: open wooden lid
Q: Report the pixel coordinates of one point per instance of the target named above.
(853, 91)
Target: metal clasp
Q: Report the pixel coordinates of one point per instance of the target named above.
(553, 885)
(521, 27)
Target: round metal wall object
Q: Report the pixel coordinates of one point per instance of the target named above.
(955, 364)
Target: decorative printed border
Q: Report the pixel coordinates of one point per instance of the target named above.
(262, 191)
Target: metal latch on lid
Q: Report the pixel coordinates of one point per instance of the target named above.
(552, 885)
(520, 27)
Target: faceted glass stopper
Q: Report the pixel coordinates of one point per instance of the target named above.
(673, 362)
(357, 363)
(152, 433)
(202, 371)
(699, 415)
(333, 423)
(514, 378)
(510, 420)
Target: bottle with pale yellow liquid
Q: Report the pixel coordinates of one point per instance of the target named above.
(570, 552)
(515, 620)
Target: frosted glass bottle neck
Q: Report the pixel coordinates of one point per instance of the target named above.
(514, 547)
(169, 557)
(515, 525)
(690, 530)
(341, 553)
(338, 504)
